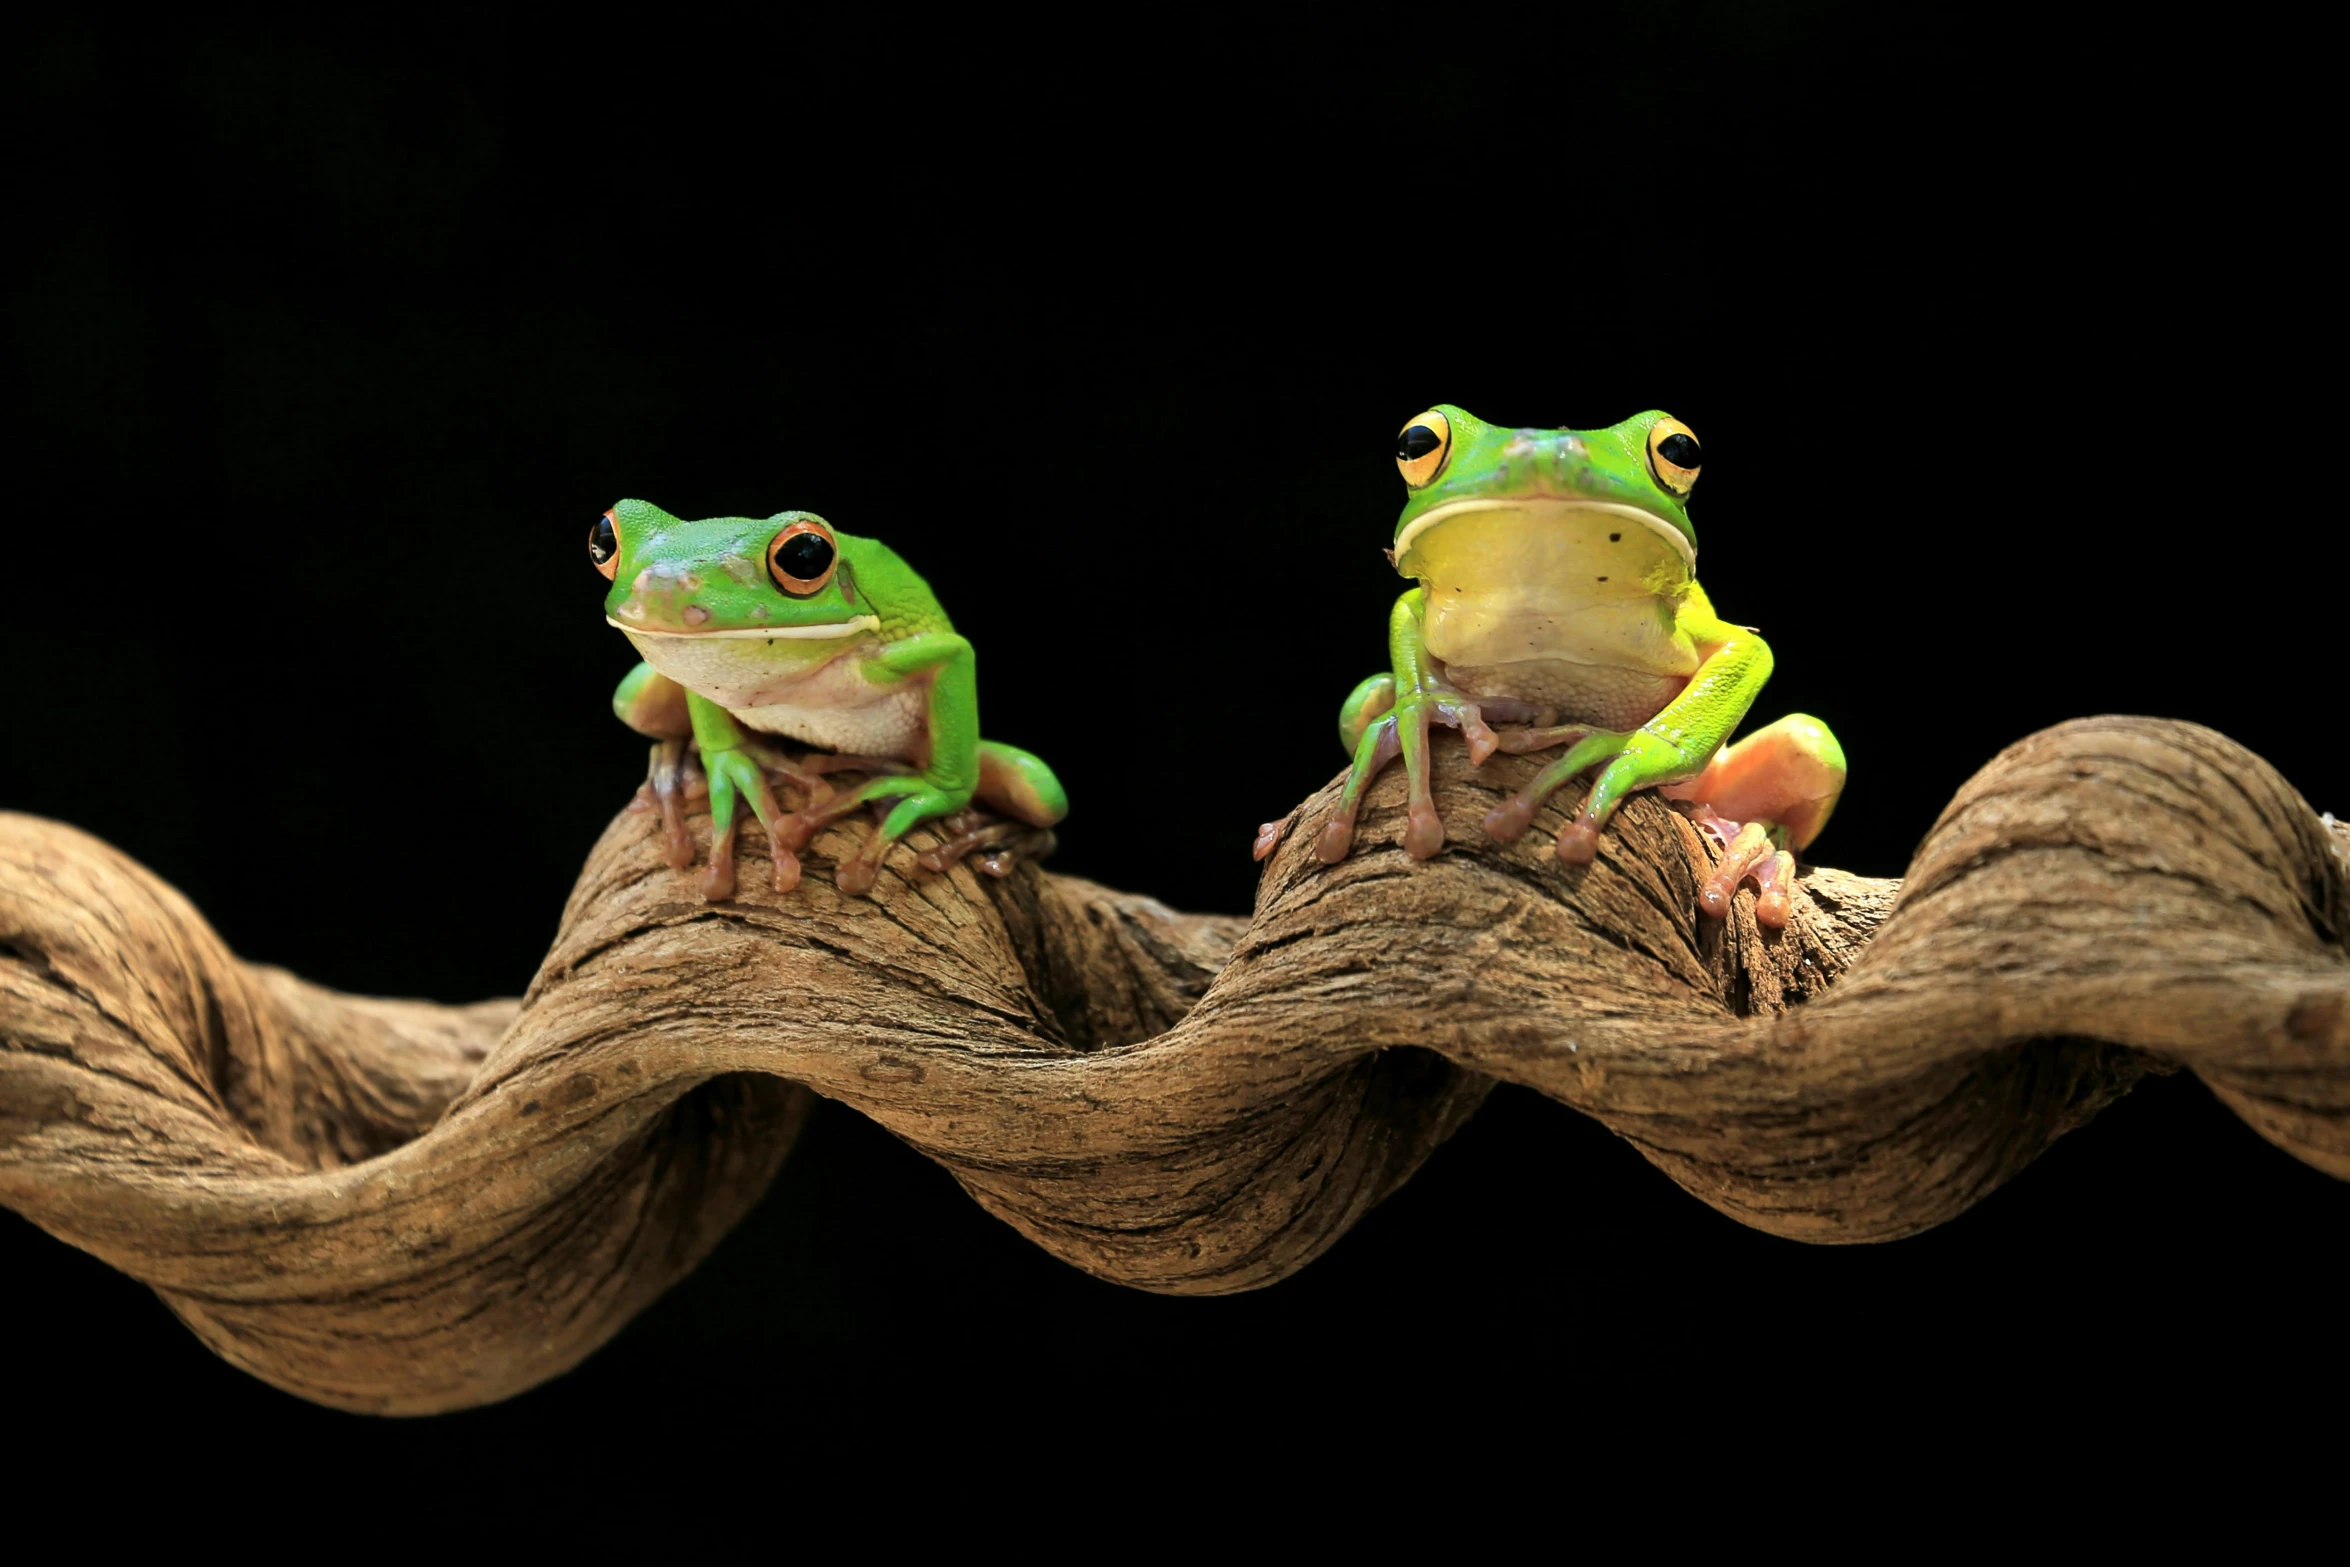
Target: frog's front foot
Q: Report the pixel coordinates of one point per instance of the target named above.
(905, 800)
(677, 777)
(738, 775)
(1382, 727)
(1578, 840)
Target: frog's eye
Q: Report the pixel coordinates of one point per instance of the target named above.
(1422, 446)
(801, 558)
(604, 545)
(1673, 456)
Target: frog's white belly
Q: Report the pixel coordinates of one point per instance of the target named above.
(894, 725)
(815, 691)
(1607, 695)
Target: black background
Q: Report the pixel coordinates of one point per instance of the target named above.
(328, 339)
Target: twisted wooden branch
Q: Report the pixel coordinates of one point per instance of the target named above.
(401, 1207)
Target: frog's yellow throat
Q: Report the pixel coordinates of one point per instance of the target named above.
(1541, 511)
(1536, 578)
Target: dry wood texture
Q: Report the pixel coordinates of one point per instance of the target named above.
(402, 1207)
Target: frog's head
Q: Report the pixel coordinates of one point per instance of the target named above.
(1488, 502)
(781, 577)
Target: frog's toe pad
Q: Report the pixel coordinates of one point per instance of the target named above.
(1774, 884)
(1578, 843)
(1423, 832)
(718, 881)
(1269, 838)
(1750, 855)
(1001, 860)
(1508, 821)
(997, 845)
(1776, 906)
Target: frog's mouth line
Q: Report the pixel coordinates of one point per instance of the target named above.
(837, 628)
(1547, 506)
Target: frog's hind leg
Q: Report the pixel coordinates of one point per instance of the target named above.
(1789, 774)
(654, 705)
(1015, 783)
(1364, 706)
(999, 844)
(1770, 793)
(1012, 783)
(664, 790)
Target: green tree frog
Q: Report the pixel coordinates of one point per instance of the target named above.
(1557, 581)
(783, 626)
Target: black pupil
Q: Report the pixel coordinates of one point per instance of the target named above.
(601, 542)
(804, 556)
(1679, 450)
(1416, 442)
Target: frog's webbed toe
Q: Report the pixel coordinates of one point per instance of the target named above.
(901, 800)
(1542, 736)
(734, 778)
(664, 790)
(803, 773)
(823, 762)
(718, 880)
(1586, 748)
(666, 781)
(1751, 851)
(1577, 843)
(1762, 797)
(857, 874)
(1000, 843)
(718, 875)
(1532, 728)
(1379, 745)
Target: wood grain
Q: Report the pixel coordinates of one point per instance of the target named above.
(401, 1207)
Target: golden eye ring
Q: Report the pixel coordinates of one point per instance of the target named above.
(604, 544)
(1673, 457)
(1421, 448)
(803, 557)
